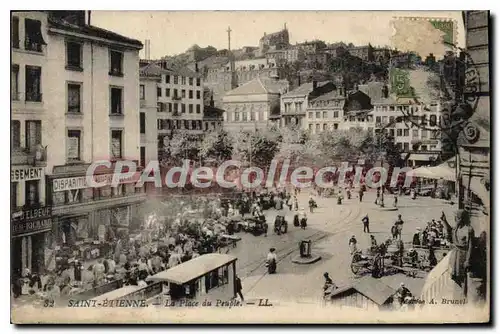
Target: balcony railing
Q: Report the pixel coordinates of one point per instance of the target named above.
(33, 97)
(176, 98)
(33, 45)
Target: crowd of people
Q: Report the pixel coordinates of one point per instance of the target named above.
(183, 228)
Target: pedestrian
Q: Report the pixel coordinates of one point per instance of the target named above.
(366, 224)
(303, 219)
(353, 245)
(239, 288)
(399, 225)
(361, 193)
(77, 271)
(296, 202)
(395, 201)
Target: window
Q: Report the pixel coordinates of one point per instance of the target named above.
(190, 94)
(335, 114)
(335, 126)
(198, 82)
(190, 81)
(400, 146)
(176, 80)
(423, 120)
(318, 115)
(13, 194)
(391, 132)
(74, 98)
(252, 115)
(183, 93)
(191, 109)
(33, 134)
(194, 125)
(236, 116)
(116, 63)
(116, 144)
(186, 124)
(310, 127)
(143, 156)
(167, 79)
(432, 120)
(198, 109)
(32, 193)
(15, 82)
(15, 134)
(176, 93)
(244, 116)
(142, 92)
(325, 114)
(311, 115)
(317, 127)
(406, 147)
(399, 132)
(198, 94)
(423, 148)
(378, 119)
(176, 107)
(33, 83)
(33, 40)
(158, 91)
(324, 126)
(169, 109)
(73, 145)
(414, 133)
(142, 122)
(73, 55)
(183, 106)
(15, 32)
(391, 119)
(406, 132)
(384, 119)
(167, 92)
(424, 134)
(183, 80)
(116, 101)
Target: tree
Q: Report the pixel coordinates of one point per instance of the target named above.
(216, 145)
(257, 148)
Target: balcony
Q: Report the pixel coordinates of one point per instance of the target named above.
(176, 98)
(33, 45)
(34, 157)
(33, 97)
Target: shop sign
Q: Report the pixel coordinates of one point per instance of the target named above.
(80, 182)
(31, 220)
(26, 174)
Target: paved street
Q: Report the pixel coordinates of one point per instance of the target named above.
(333, 224)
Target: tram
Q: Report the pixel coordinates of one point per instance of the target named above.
(209, 277)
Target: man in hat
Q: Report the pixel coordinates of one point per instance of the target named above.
(353, 245)
(366, 224)
(402, 293)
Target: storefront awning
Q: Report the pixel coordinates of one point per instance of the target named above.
(442, 171)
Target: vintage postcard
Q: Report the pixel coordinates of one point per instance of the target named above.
(250, 167)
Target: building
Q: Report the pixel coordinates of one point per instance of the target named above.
(333, 109)
(74, 97)
(278, 40)
(178, 101)
(364, 52)
(253, 105)
(294, 54)
(318, 60)
(31, 216)
(367, 293)
(218, 79)
(294, 103)
(312, 46)
(336, 49)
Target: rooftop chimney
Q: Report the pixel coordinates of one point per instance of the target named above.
(315, 84)
(212, 103)
(196, 69)
(147, 49)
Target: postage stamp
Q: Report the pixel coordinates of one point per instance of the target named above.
(208, 171)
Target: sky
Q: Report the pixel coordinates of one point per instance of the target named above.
(172, 32)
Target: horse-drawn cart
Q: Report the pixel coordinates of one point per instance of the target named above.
(372, 262)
